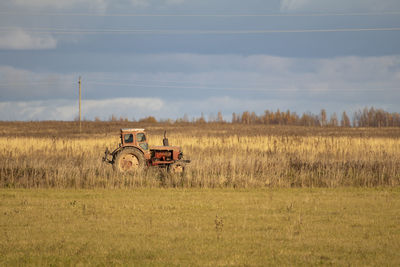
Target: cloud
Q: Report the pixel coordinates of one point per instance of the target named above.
(19, 84)
(59, 109)
(339, 5)
(136, 108)
(36, 110)
(173, 84)
(20, 40)
(130, 107)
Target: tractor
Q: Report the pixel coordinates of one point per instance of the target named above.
(134, 153)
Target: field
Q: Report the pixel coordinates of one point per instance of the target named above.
(253, 195)
(204, 227)
(55, 155)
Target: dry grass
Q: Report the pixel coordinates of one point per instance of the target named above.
(191, 227)
(222, 156)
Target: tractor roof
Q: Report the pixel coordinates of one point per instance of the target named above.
(132, 130)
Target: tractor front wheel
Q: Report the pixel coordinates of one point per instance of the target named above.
(176, 167)
(129, 160)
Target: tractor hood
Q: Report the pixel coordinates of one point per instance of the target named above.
(175, 148)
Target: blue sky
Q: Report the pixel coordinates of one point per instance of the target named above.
(167, 58)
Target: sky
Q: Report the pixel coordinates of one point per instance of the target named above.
(170, 58)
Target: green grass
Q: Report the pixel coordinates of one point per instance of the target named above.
(257, 227)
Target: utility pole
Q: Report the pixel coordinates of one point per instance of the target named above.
(80, 113)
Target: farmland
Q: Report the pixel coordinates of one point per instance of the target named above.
(253, 195)
(204, 227)
(55, 155)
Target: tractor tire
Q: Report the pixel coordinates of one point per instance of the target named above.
(176, 167)
(129, 160)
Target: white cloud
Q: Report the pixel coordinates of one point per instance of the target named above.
(36, 110)
(132, 108)
(129, 107)
(58, 109)
(21, 40)
(136, 108)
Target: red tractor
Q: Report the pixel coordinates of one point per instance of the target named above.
(134, 153)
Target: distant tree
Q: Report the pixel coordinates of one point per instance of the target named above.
(253, 118)
(149, 119)
(122, 119)
(113, 118)
(304, 121)
(372, 117)
(367, 117)
(272, 118)
(322, 117)
(267, 117)
(235, 118)
(345, 121)
(287, 118)
(333, 122)
(294, 118)
(245, 117)
(278, 117)
(381, 118)
(307, 119)
(201, 120)
(396, 119)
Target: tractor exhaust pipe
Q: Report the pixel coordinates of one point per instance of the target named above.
(165, 140)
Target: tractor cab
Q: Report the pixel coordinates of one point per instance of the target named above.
(134, 137)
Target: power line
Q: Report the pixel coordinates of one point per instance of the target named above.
(251, 88)
(202, 15)
(140, 81)
(103, 79)
(222, 88)
(21, 84)
(187, 32)
(175, 86)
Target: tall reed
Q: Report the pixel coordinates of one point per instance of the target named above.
(220, 158)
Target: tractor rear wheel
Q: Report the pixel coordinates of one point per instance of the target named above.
(129, 160)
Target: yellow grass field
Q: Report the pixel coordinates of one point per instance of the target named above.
(222, 156)
(200, 227)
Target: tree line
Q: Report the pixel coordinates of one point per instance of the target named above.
(367, 117)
